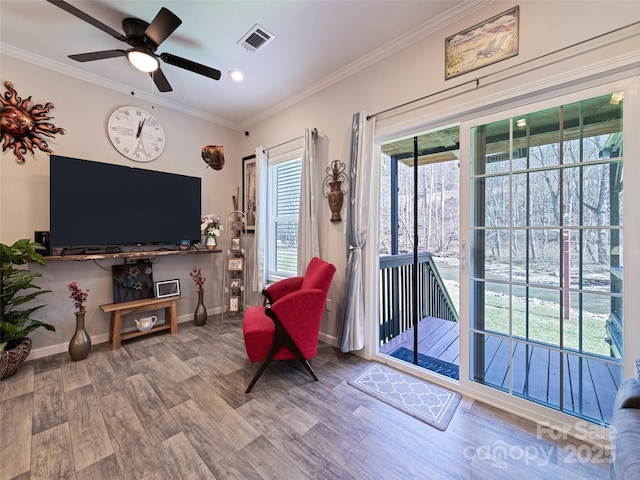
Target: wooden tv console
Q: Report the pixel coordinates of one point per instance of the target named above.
(137, 306)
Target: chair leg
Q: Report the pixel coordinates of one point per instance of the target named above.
(256, 376)
(265, 362)
(307, 365)
(281, 338)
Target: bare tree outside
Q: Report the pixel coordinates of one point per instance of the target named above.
(438, 208)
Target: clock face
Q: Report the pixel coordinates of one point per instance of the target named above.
(136, 134)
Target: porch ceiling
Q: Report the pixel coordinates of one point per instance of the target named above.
(437, 146)
(598, 116)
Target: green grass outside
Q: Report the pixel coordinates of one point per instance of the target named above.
(544, 322)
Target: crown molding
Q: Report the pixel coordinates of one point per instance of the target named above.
(102, 82)
(555, 84)
(412, 36)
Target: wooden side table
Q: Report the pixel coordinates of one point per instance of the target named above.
(117, 310)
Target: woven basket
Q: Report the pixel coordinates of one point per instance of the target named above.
(11, 360)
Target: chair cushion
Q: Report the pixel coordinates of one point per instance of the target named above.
(300, 313)
(258, 331)
(318, 275)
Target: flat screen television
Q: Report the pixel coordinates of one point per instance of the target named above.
(95, 204)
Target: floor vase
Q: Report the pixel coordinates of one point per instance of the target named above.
(80, 343)
(200, 315)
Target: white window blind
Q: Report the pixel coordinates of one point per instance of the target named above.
(283, 205)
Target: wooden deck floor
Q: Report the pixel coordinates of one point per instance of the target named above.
(589, 384)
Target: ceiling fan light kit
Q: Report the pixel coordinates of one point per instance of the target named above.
(144, 39)
(143, 61)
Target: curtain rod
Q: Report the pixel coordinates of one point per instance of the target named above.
(477, 79)
(314, 133)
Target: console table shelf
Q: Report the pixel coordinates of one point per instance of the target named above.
(136, 254)
(118, 310)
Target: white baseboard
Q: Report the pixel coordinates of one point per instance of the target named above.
(330, 339)
(101, 338)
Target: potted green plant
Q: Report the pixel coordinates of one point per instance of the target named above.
(16, 323)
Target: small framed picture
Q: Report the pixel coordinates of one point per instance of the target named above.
(249, 191)
(235, 282)
(235, 264)
(236, 225)
(234, 304)
(167, 288)
(235, 244)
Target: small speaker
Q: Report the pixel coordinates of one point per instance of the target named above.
(43, 239)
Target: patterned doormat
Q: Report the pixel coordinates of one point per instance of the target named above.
(432, 404)
(425, 361)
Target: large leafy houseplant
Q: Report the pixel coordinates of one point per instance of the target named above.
(16, 322)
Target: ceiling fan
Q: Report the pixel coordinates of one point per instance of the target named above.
(143, 38)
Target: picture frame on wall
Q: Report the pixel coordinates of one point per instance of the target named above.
(235, 282)
(235, 264)
(488, 42)
(235, 244)
(249, 192)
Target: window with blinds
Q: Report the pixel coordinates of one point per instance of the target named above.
(283, 205)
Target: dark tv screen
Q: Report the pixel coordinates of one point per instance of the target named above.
(99, 204)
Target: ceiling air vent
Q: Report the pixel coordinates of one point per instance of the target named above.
(255, 38)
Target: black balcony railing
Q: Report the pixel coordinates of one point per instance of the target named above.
(396, 294)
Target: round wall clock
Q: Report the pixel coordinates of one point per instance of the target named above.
(136, 134)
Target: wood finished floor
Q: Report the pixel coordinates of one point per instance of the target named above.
(174, 407)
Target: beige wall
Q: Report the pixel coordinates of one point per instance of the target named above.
(418, 70)
(83, 109)
(415, 71)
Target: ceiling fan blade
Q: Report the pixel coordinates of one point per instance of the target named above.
(163, 25)
(83, 16)
(89, 57)
(161, 81)
(190, 65)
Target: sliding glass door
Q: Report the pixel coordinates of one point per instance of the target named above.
(419, 245)
(546, 255)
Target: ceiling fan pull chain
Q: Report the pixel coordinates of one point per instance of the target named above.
(152, 89)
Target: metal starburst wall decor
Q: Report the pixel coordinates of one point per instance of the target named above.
(20, 126)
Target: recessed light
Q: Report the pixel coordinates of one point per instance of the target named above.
(236, 75)
(616, 98)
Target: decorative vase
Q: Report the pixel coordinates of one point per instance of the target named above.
(80, 343)
(11, 360)
(335, 200)
(211, 243)
(200, 315)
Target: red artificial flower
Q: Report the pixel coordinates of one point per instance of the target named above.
(198, 278)
(78, 296)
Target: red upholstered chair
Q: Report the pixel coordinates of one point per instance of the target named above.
(289, 325)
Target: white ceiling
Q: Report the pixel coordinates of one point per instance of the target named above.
(317, 43)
